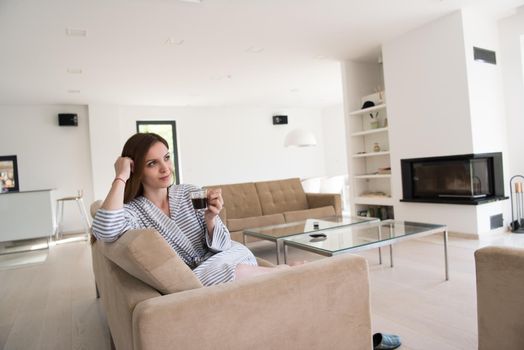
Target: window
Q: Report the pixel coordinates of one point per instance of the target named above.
(166, 129)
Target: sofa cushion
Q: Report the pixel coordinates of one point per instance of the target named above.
(281, 195)
(145, 255)
(240, 200)
(256, 221)
(316, 213)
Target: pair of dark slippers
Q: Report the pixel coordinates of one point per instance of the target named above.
(383, 341)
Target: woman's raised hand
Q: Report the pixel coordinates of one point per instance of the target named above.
(123, 167)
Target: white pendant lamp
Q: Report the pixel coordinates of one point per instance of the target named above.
(300, 138)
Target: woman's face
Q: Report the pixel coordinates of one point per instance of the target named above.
(158, 168)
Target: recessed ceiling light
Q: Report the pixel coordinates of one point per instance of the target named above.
(76, 32)
(73, 91)
(193, 1)
(173, 41)
(254, 49)
(74, 70)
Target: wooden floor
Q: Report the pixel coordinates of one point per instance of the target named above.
(52, 305)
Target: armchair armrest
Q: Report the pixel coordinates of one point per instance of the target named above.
(319, 305)
(500, 307)
(317, 200)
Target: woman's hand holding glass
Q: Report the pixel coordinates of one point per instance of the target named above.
(215, 203)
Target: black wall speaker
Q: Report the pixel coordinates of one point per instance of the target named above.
(67, 119)
(279, 119)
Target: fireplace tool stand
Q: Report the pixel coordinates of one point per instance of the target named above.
(517, 203)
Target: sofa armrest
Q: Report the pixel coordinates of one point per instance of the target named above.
(320, 305)
(500, 306)
(317, 200)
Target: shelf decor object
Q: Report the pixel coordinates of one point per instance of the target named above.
(517, 203)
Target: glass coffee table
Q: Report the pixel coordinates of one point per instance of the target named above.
(351, 239)
(276, 233)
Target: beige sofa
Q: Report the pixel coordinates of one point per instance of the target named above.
(255, 204)
(500, 297)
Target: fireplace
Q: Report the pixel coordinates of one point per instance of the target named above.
(461, 179)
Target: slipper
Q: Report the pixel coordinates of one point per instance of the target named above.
(383, 341)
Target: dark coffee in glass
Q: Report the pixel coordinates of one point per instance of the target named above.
(199, 199)
(199, 203)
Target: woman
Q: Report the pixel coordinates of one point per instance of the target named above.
(142, 196)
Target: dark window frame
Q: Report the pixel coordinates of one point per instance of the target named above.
(175, 148)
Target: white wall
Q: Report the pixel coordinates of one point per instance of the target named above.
(217, 145)
(486, 97)
(441, 102)
(428, 106)
(105, 145)
(49, 156)
(334, 136)
(486, 101)
(511, 31)
(427, 92)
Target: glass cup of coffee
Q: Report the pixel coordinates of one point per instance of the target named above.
(199, 199)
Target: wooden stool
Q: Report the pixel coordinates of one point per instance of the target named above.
(60, 213)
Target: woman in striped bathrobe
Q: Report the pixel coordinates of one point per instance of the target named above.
(142, 196)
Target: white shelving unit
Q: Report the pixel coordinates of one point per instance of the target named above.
(370, 161)
(371, 154)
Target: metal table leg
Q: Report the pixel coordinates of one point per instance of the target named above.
(278, 243)
(379, 250)
(446, 254)
(285, 253)
(391, 245)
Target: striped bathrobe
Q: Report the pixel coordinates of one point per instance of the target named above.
(212, 261)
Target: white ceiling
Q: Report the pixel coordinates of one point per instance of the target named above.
(214, 60)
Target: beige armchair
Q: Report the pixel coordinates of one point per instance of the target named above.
(500, 297)
(154, 301)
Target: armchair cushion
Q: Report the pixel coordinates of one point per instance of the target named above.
(145, 255)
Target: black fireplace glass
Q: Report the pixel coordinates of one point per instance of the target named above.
(458, 179)
(452, 178)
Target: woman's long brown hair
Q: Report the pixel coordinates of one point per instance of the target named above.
(136, 148)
